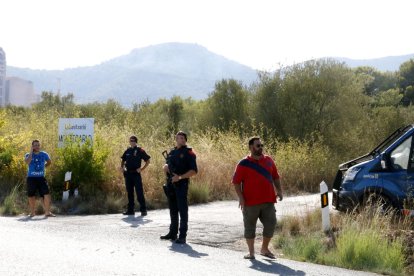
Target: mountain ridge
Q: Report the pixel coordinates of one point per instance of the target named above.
(148, 73)
(388, 63)
(160, 71)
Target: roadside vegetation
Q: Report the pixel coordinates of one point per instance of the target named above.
(311, 117)
(366, 240)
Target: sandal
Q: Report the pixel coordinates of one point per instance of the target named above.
(269, 255)
(249, 257)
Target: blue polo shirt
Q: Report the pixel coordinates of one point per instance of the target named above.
(37, 165)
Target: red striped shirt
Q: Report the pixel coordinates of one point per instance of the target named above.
(257, 177)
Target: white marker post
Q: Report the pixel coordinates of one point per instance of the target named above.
(326, 225)
(66, 187)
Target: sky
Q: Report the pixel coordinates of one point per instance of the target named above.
(263, 34)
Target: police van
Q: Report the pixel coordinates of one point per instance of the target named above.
(385, 175)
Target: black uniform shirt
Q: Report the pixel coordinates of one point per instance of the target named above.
(133, 158)
(181, 160)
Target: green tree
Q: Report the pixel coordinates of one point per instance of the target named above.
(266, 95)
(406, 81)
(228, 104)
(390, 97)
(50, 100)
(321, 98)
(174, 110)
(104, 113)
(376, 81)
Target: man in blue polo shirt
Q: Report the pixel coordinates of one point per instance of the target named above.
(36, 181)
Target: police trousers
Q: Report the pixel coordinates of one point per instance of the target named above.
(133, 180)
(177, 194)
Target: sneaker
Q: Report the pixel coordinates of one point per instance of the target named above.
(180, 241)
(143, 214)
(128, 213)
(169, 236)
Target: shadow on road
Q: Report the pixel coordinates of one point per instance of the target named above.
(187, 249)
(136, 221)
(274, 268)
(27, 218)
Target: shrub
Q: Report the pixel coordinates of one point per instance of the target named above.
(87, 164)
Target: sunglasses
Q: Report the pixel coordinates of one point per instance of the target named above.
(259, 146)
(133, 141)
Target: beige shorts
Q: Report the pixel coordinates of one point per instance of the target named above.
(266, 212)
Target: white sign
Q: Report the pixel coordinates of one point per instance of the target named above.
(74, 129)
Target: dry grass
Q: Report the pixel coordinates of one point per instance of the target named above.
(302, 165)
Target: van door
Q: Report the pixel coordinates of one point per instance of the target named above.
(410, 179)
(397, 179)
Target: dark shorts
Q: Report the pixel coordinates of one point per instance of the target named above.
(35, 184)
(266, 213)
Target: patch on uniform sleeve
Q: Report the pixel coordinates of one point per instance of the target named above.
(142, 150)
(191, 152)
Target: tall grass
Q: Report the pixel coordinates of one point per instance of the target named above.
(12, 204)
(363, 241)
(302, 165)
(367, 249)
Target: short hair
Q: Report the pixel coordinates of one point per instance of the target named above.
(35, 141)
(182, 133)
(133, 138)
(252, 139)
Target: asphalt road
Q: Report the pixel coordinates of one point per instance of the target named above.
(119, 245)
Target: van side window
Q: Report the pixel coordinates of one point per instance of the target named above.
(401, 154)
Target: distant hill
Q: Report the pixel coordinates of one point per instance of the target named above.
(149, 73)
(391, 63)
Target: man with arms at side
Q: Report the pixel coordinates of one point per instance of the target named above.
(131, 162)
(38, 161)
(181, 166)
(257, 182)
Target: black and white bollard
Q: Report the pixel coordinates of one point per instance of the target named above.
(326, 224)
(66, 187)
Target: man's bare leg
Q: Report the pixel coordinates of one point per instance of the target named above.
(265, 245)
(32, 205)
(250, 244)
(46, 204)
(265, 248)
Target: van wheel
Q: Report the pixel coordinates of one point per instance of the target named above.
(377, 204)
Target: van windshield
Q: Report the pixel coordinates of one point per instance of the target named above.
(391, 139)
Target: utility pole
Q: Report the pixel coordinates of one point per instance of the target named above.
(58, 86)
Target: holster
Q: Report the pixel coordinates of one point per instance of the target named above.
(168, 188)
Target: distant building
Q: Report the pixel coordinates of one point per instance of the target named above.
(20, 92)
(14, 90)
(2, 77)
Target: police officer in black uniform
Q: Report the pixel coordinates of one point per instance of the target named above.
(131, 167)
(181, 165)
